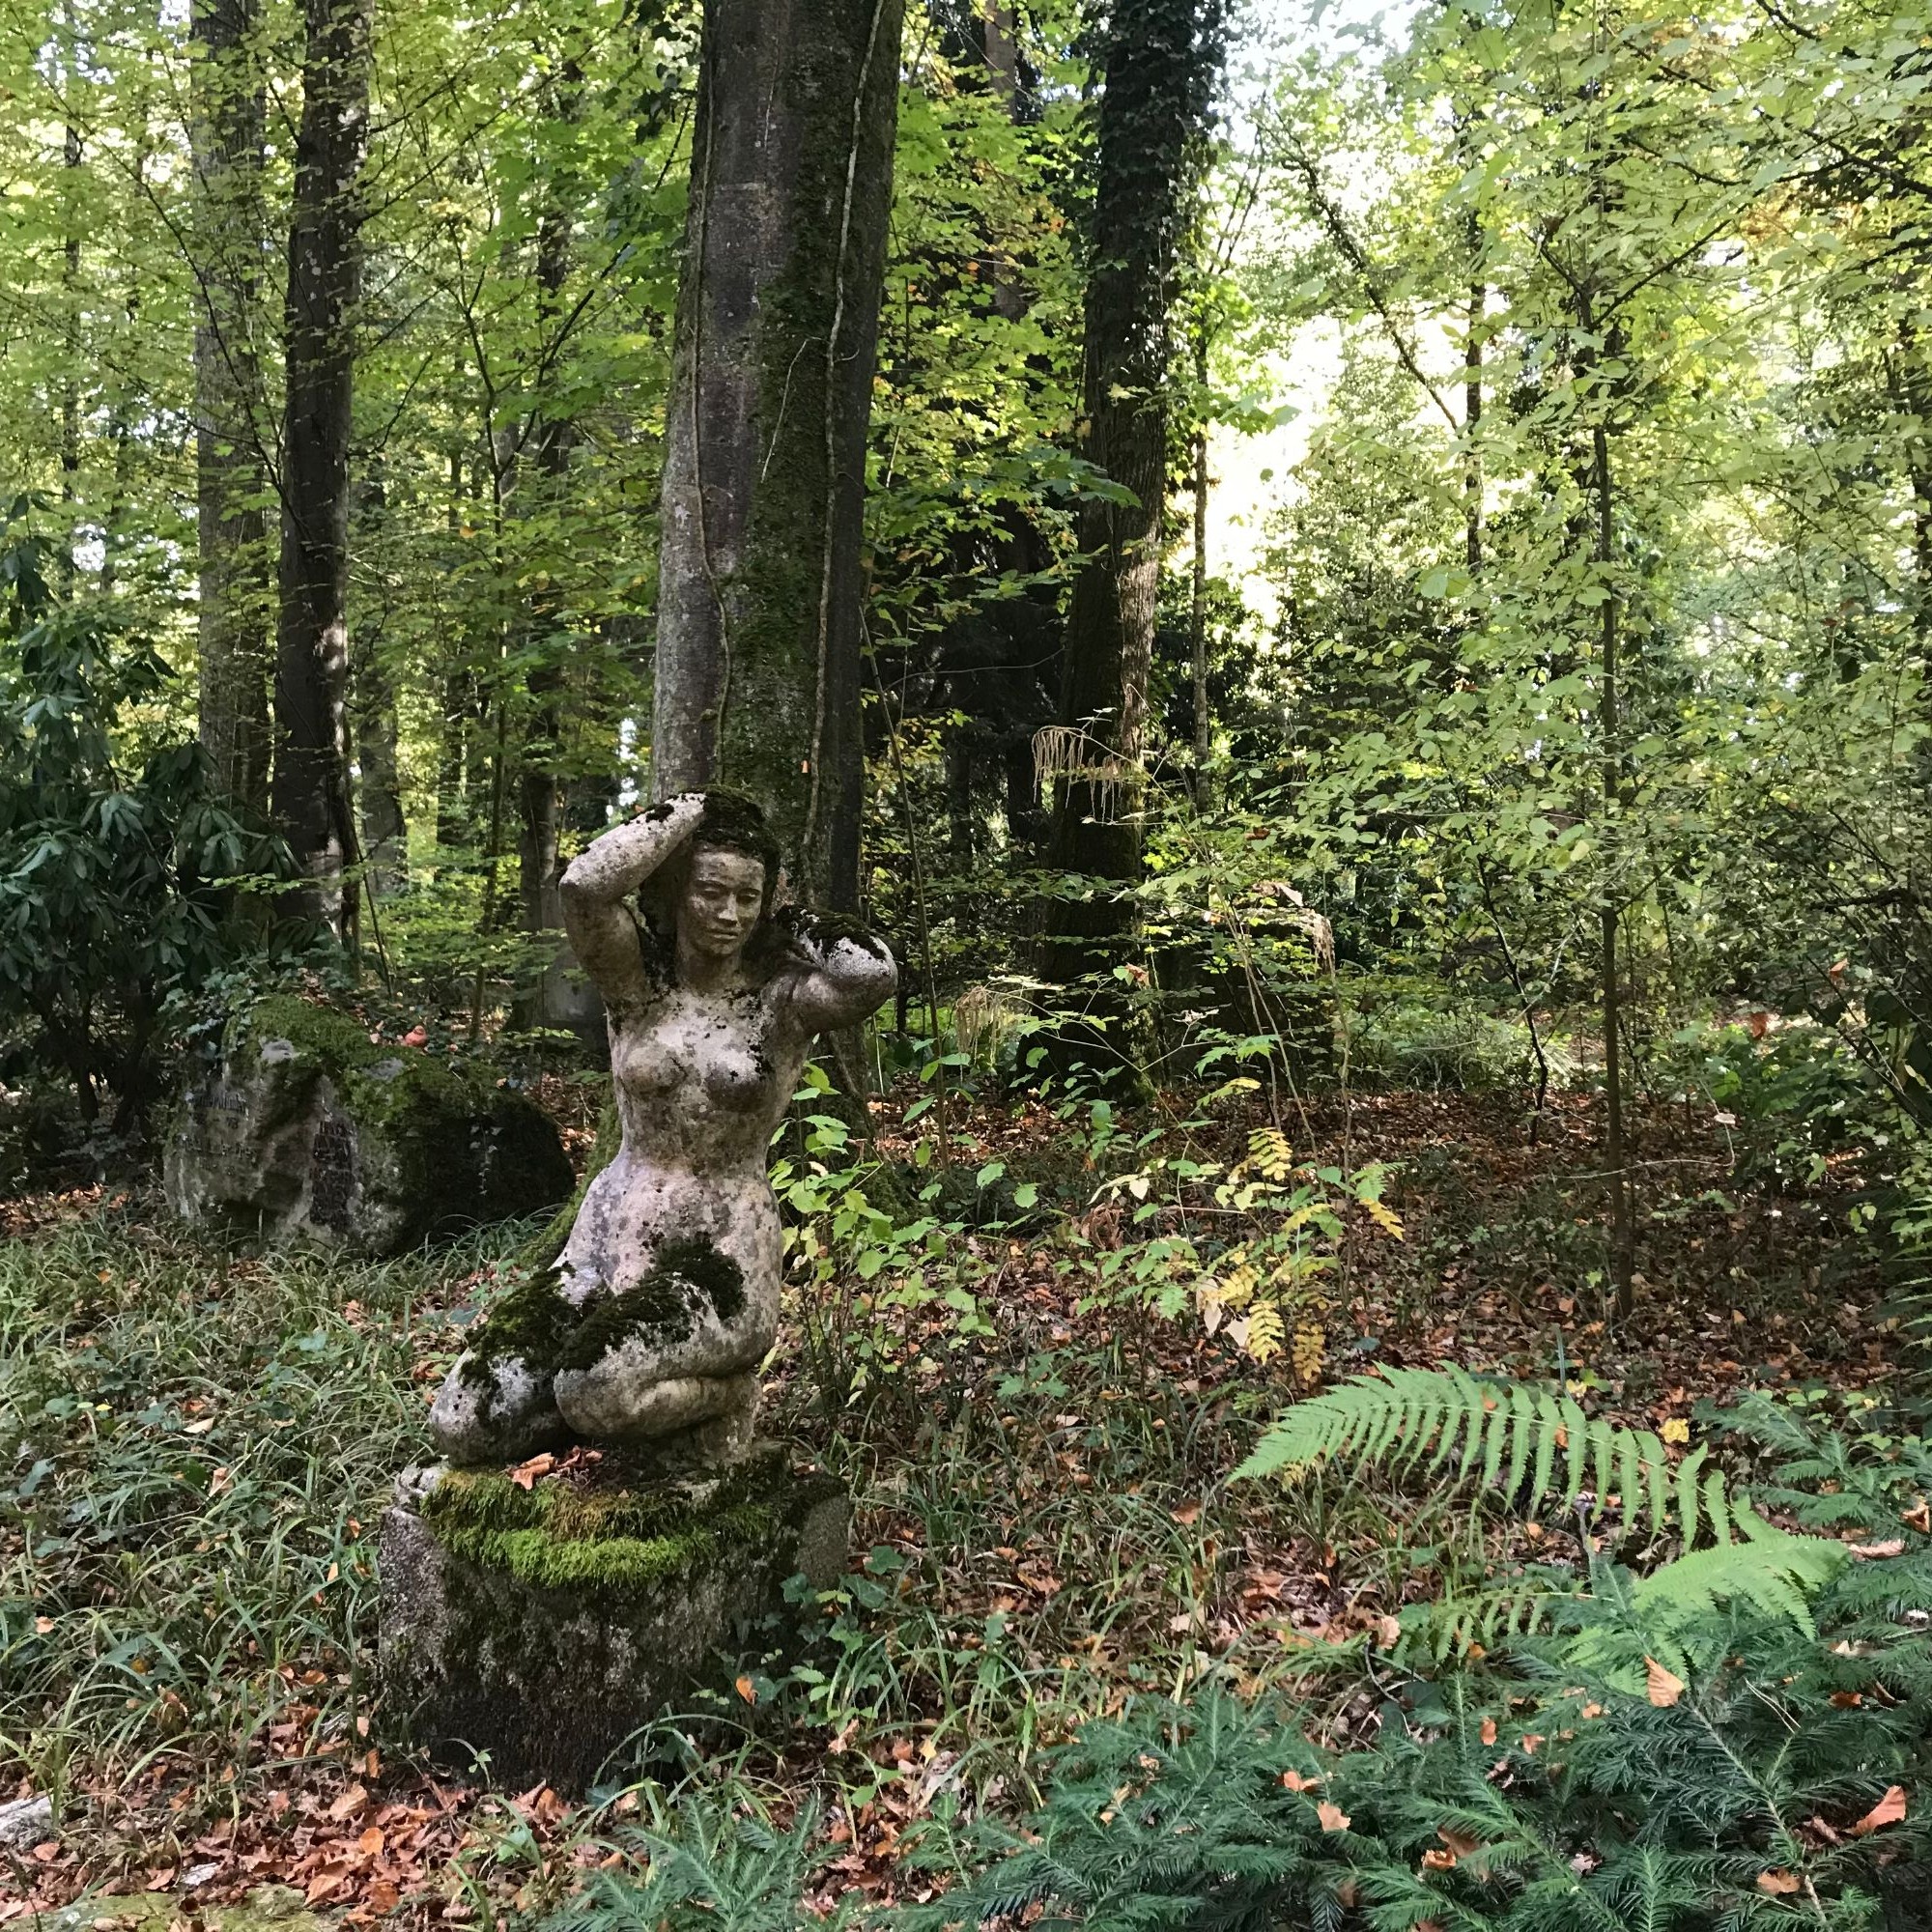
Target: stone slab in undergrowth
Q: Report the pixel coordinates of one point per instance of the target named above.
(268, 1908)
(541, 1627)
(301, 1126)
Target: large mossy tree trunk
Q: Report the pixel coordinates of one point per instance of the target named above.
(229, 134)
(757, 668)
(1161, 59)
(311, 776)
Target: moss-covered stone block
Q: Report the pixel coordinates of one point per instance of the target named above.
(543, 1627)
(301, 1126)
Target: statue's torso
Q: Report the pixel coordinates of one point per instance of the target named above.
(701, 1082)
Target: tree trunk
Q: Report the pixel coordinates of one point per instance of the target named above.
(1161, 60)
(311, 789)
(385, 831)
(1472, 415)
(231, 479)
(1616, 1152)
(757, 667)
(73, 215)
(1197, 609)
(538, 789)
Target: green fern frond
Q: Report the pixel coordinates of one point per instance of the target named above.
(1517, 1438)
(1772, 1571)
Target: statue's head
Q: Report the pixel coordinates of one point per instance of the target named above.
(715, 899)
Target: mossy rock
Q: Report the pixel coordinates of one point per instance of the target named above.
(541, 1627)
(303, 1127)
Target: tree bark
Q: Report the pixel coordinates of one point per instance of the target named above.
(231, 479)
(1197, 609)
(1616, 1152)
(757, 665)
(539, 789)
(1161, 58)
(311, 788)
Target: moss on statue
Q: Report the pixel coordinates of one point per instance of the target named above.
(546, 1626)
(537, 1324)
(827, 929)
(658, 1306)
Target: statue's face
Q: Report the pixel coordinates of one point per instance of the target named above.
(721, 901)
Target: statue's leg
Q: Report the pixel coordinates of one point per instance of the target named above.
(499, 1412)
(709, 1415)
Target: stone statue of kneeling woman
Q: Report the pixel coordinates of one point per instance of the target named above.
(650, 1329)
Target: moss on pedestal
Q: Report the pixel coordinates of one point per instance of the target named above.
(544, 1627)
(553, 1536)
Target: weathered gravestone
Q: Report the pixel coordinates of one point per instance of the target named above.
(299, 1126)
(540, 1614)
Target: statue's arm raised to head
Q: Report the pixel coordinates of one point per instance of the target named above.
(842, 973)
(601, 878)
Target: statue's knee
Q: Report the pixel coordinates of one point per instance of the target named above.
(493, 1411)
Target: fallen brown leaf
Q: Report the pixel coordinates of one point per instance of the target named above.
(1889, 1811)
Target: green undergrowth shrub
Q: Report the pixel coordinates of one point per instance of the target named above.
(1789, 1099)
(1406, 1043)
(1538, 1804)
(1565, 1781)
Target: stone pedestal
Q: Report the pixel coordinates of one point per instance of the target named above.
(545, 1626)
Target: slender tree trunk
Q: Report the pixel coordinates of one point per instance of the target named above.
(540, 795)
(959, 752)
(385, 835)
(458, 700)
(1002, 73)
(231, 479)
(757, 667)
(72, 153)
(311, 789)
(1472, 415)
(1162, 57)
(384, 830)
(1197, 610)
(1616, 1152)
(1911, 389)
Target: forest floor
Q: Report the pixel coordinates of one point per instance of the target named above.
(201, 1443)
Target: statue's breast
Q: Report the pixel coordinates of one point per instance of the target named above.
(648, 1054)
(712, 1053)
